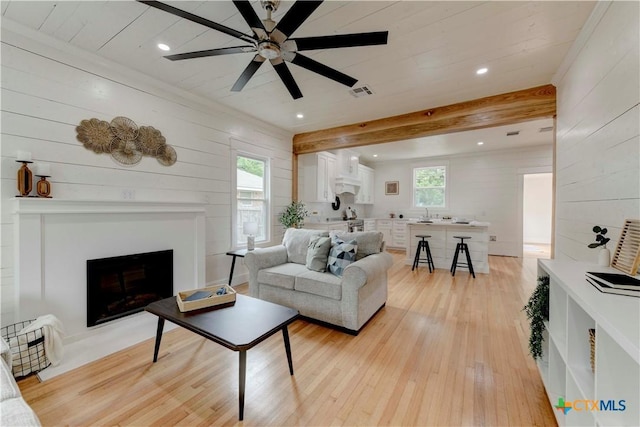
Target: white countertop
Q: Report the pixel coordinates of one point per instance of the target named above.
(450, 223)
(410, 221)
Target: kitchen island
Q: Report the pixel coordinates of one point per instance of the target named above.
(443, 244)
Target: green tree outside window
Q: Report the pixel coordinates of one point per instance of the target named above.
(429, 184)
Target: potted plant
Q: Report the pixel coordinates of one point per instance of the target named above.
(293, 215)
(604, 257)
(537, 310)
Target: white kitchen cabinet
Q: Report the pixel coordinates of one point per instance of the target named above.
(318, 176)
(331, 226)
(400, 233)
(369, 225)
(366, 176)
(394, 232)
(348, 161)
(385, 226)
(614, 384)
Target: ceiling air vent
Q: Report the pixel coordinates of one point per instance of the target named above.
(513, 133)
(359, 92)
(546, 129)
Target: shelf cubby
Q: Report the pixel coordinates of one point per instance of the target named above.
(580, 416)
(579, 348)
(575, 307)
(558, 317)
(617, 378)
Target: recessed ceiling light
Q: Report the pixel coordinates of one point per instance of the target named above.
(375, 155)
(163, 46)
(300, 116)
(480, 143)
(482, 70)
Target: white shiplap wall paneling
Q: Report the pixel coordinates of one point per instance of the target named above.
(48, 90)
(598, 136)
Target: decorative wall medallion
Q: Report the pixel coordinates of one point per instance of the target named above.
(166, 155)
(96, 135)
(149, 140)
(124, 128)
(125, 152)
(125, 141)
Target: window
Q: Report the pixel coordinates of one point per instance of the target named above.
(251, 197)
(430, 187)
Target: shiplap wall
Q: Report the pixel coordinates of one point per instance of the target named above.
(486, 186)
(48, 88)
(598, 142)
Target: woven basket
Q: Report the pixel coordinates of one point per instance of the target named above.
(592, 342)
(27, 349)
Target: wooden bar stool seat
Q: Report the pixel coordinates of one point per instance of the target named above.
(462, 248)
(423, 245)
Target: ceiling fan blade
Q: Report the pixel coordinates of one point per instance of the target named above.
(341, 40)
(286, 77)
(323, 70)
(211, 52)
(249, 15)
(295, 16)
(199, 20)
(247, 73)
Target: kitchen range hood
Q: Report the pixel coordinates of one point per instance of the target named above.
(347, 184)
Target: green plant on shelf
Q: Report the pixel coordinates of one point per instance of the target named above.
(600, 239)
(537, 310)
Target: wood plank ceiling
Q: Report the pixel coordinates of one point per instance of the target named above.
(433, 52)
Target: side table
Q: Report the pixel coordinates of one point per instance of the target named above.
(237, 253)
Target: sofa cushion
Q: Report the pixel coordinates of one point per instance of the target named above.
(341, 255)
(322, 284)
(281, 276)
(318, 253)
(296, 240)
(9, 387)
(16, 412)
(369, 242)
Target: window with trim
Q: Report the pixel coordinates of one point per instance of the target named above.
(252, 202)
(430, 187)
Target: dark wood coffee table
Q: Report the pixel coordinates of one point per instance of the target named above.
(238, 327)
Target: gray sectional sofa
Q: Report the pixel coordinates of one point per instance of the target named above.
(279, 274)
(14, 411)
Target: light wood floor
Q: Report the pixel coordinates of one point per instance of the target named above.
(442, 352)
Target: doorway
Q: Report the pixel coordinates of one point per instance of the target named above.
(537, 201)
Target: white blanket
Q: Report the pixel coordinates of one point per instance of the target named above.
(53, 332)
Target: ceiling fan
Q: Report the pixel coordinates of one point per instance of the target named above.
(271, 40)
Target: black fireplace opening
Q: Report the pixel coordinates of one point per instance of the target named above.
(123, 285)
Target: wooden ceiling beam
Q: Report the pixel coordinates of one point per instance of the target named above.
(498, 110)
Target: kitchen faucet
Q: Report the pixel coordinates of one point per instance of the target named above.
(427, 216)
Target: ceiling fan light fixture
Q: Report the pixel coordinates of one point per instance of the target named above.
(268, 49)
(164, 47)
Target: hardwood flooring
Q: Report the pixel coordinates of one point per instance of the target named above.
(444, 351)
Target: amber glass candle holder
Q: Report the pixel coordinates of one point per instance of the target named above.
(24, 179)
(43, 187)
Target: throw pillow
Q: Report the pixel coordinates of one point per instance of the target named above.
(296, 240)
(318, 253)
(369, 242)
(341, 255)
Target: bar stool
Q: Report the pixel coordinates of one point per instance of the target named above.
(462, 247)
(423, 245)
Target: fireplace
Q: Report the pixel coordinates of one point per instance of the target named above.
(123, 285)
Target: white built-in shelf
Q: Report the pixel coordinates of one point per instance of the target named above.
(575, 307)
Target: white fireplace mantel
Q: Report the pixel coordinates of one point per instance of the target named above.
(54, 238)
(34, 205)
